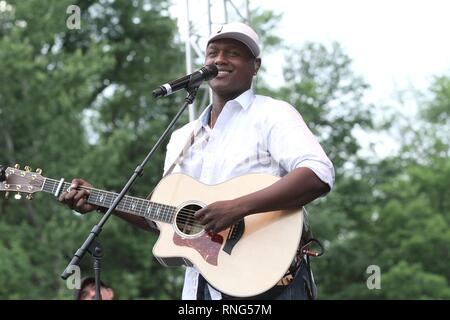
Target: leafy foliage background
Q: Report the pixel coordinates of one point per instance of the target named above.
(77, 103)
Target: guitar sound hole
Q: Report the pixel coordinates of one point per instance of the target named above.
(186, 222)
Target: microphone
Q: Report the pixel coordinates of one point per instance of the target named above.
(191, 80)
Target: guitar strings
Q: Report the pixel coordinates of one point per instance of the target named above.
(183, 216)
(126, 200)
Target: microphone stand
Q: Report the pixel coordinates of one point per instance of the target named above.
(97, 254)
(90, 244)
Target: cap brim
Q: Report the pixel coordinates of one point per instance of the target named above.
(249, 42)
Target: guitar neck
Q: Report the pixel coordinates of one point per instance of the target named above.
(141, 207)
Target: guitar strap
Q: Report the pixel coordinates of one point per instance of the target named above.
(189, 142)
(179, 158)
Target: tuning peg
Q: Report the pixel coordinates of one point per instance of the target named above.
(17, 166)
(6, 195)
(27, 169)
(29, 197)
(38, 170)
(18, 196)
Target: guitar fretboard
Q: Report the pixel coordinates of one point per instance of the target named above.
(133, 205)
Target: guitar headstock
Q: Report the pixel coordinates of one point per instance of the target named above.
(20, 181)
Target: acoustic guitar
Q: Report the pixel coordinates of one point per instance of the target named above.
(244, 260)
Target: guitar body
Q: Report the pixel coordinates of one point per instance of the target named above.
(245, 262)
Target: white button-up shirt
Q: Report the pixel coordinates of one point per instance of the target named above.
(253, 134)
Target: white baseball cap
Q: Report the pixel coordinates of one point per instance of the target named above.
(238, 31)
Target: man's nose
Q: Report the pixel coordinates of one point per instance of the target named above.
(220, 58)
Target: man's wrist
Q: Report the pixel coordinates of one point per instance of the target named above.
(244, 206)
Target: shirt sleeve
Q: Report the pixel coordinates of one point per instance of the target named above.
(292, 144)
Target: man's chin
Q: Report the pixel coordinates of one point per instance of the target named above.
(220, 82)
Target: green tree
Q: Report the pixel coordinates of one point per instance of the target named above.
(404, 223)
(76, 103)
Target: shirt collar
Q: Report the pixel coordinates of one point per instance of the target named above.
(244, 100)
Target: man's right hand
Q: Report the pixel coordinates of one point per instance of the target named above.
(76, 198)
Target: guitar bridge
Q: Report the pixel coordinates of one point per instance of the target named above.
(234, 235)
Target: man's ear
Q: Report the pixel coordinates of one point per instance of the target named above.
(257, 65)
